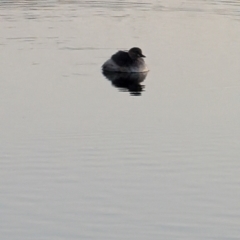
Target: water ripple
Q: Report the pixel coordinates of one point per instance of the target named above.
(219, 7)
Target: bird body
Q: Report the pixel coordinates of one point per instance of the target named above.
(131, 61)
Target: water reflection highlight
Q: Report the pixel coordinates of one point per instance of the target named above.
(127, 82)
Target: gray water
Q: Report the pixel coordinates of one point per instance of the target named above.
(81, 158)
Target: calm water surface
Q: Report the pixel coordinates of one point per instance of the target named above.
(84, 158)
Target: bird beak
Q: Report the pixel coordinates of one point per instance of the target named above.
(141, 55)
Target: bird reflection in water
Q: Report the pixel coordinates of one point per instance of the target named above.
(127, 82)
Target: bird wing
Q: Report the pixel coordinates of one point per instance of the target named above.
(121, 58)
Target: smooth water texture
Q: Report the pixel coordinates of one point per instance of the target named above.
(84, 157)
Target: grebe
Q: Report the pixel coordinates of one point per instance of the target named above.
(131, 61)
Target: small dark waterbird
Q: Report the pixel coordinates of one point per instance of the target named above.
(130, 61)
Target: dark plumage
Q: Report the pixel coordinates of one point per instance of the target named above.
(131, 61)
(122, 59)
